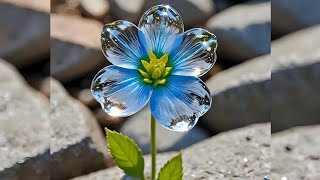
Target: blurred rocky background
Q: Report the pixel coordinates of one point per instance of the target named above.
(52, 128)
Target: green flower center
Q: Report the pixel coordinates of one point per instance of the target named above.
(155, 71)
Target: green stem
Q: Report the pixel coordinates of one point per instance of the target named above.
(153, 148)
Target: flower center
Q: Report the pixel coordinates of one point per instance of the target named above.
(155, 71)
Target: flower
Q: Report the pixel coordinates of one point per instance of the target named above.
(156, 61)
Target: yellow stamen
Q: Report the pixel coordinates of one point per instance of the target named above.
(145, 64)
(147, 80)
(152, 56)
(144, 74)
(166, 71)
(164, 59)
(162, 66)
(162, 81)
(155, 71)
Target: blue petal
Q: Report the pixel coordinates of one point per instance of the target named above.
(121, 45)
(179, 104)
(196, 53)
(120, 91)
(161, 25)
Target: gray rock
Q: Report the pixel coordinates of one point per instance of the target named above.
(302, 42)
(75, 47)
(243, 31)
(239, 154)
(44, 87)
(96, 9)
(115, 173)
(293, 15)
(66, 7)
(296, 153)
(56, 2)
(85, 96)
(77, 145)
(295, 80)
(313, 176)
(243, 153)
(25, 30)
(221, 5)
(240, 95)
(24, 127)
(138, 128)
(126, 10)
(193, 12)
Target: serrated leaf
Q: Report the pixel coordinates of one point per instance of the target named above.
(126, 154)
(172, 170)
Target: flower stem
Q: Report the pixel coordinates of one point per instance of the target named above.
(153, 148)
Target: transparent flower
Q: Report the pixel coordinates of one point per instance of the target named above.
(156, 61)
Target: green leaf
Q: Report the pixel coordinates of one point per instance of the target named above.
(172, 170)
(126, 154)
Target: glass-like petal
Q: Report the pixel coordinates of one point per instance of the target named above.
(160, 25)
(121, 45)
(120, 91)
(179, 104)
(196, 54)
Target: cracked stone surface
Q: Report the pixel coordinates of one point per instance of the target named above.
(296, 153)
(238, 154)
(243, 31)
(75, 47)
(25, 31)
(24, 127)
(295, 80)
(293, 15)
(240, 95)
(77, 145)
(249, 92)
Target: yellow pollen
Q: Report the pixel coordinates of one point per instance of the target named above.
(155, 71)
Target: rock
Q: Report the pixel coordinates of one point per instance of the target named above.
(24, 35)
(35, 74)
(85, 96)
(138, 128)
(35, 81)
(243, 31)
(295, 79)
(296, 153)
(44, 87)
(243, 153)
(240, 95)
(96, 9)
(126, 10)
(221, 5)
(215, 69)
(293, 15)
(75, 47)
(66, 7)
(86, 81)
(24, 127)
(77, 144)
(193, 12)
(313, 176)
(55, 2)
(240, 154)
(115, 173)
(285, 45)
